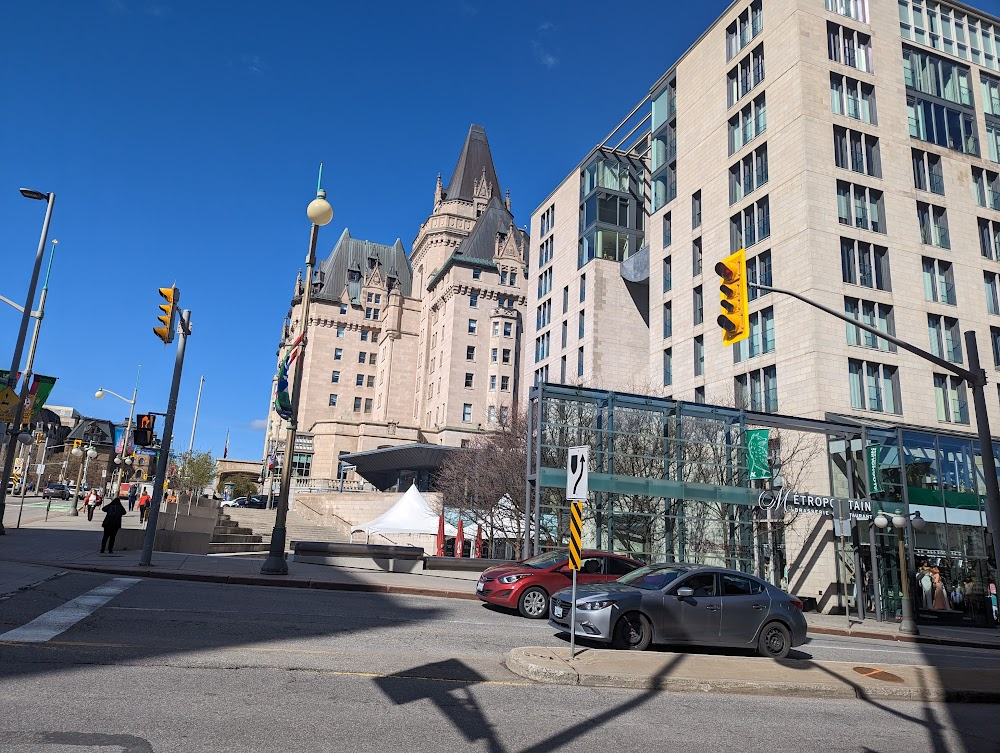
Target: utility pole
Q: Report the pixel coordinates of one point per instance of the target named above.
(162, 457)
(197, 405)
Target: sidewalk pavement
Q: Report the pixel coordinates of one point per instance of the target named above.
(72, 543)
(655, 670)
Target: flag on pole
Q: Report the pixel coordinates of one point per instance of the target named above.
(225, 452)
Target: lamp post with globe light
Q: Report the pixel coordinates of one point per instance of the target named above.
(79, 452)
(319, 213)
(899, 522)
(122, 460)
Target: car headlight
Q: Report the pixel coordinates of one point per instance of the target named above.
(512, 578)
(593, 606)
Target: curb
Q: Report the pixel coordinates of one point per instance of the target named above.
(276, 581)
(521, 664)
(901, 638)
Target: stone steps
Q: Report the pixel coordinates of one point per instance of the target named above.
(230, 537)
(217, 548)
(297, 528)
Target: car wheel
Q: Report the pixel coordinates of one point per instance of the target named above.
(633, 632)
(534, 603)
(775, 641)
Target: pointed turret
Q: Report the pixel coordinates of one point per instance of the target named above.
(475, 166)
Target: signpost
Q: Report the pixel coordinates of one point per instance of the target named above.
(576, 492)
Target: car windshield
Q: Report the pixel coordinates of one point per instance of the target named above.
(545, 559)
(651, 577)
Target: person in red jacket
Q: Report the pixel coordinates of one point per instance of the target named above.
(144, 501)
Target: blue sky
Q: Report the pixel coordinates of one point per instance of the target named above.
(182, 140)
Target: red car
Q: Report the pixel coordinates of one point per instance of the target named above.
(527, 585)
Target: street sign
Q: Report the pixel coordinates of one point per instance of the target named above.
(576, 473)
(575, 533)
(40, 469)
(8, 405)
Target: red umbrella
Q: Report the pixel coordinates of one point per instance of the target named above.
(478, 551)
(459, 540)
(440, 536)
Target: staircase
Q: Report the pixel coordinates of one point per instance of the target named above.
(256, 527)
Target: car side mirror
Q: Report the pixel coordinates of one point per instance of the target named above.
(564, 570)
(684, 592)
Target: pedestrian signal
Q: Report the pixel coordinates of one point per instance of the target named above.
(734, 318)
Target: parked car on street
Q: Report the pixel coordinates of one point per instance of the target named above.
(527, 585)
(55, 491)
(254, 501)
(685, 604)
(233, 502)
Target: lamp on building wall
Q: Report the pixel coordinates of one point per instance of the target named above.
(899, 522)
(319, 213)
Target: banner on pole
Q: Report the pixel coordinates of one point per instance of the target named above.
(873, 454)
(758, 466)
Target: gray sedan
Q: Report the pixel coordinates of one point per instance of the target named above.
(685, 604)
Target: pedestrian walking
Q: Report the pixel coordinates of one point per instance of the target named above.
(113, 512)
(144, 501)
(133, 494)
(91, 502)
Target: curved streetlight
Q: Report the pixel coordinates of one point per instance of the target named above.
(319, 213)
(101, 392)
(899, 521)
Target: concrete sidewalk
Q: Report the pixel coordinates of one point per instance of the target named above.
(654, 670)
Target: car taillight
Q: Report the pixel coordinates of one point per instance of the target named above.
(796, 602)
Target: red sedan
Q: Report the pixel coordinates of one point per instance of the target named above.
(527, 585)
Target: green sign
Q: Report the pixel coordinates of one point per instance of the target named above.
(758, 466)
(872, 457)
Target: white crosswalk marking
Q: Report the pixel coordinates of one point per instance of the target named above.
(47, 626)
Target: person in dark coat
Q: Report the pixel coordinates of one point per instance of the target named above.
(133, 494)
(113, 514)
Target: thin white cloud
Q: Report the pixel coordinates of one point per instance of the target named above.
(258, 424)
(254, 64)
(546, 26)
(544, 56)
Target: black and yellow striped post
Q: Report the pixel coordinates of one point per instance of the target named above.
(575, 532)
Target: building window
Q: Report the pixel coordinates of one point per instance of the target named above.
(878, 315)
(583, 288)
(565, 333)
(468, 380)
(357, 405)
(855, 9)
(473, 300)
(744, 29)
(933, 222)
(364, 336)
(668, 367)
(301, 464)
(467, 412)
(939, 281)
(338, 354)
(861, 206)
(371, 380)
(505, 384)
(852, 98)
(668, 281)
(951, 399)
(856, 151)
(696, 257)
(496, 329)
(335, 377)
(506, 355)
(747, 124)
(989, 239)
(747, 175)
(874, 386)
(698, 305)
(472, 326)
(362, 356)
(865, 264)
(581, 328)
(759, 272)
(699, 355)
(667, 230)
(476, 274)
(945, 337)
(668, 320)
(371, 358)
(493, 382)
(750, 226)
(757, 390)
(992, 298)
(696, 209)
(761, 339)
(493, 355)
(986, 188)
(545, 220)
(699, 395)
(995, 341)
(343, 309)
(368, 405)
(470, 353)
(566, 299)
(927, 173)
(340, 330)
(508, 328)
(745, 76)
(579, 362)
(850, 47)
(359, 381)
(333, 401)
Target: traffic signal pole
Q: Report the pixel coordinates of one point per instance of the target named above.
(975, 375)
(162, 456)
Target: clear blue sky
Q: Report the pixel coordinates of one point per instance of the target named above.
(182, 140)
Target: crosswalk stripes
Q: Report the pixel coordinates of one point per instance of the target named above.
(47, 626)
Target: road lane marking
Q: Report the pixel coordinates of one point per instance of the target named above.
(47, 626)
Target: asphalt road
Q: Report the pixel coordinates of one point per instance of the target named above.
(173, 666)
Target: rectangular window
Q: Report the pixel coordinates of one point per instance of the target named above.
(757, 390)
(698, 305)
(850, 47)
(989, 239)
(696, 259)
(467, 413)
(759, 272)
(750, 226)
(933, 223)
(865, 264)
(343, 309)
(505, 355)
(945, 337)
(583, 288)
(493, 382)
(878, 315)
(476, 274)
(986, 188)
(507, 328)
(860, 206)
(696, 210)
(341, 329)
(951, 399)
(335, 377)
(992, 296)
(566, 299)
(359, 380)
(939, 281)
(853, 98)
(761, 339)
(470, 353)
(333, 401)
(357, 405)
(856, 151)
(472, 326)
(668, 367)
(361, 357)
(854, 9)
(668, 320)
(995, 341)
(744, 29)
(473, 300)
(667, 275)
(747, 124)
(468, 380)
(927, 172)
(493, 355)
(505, 384)
(667, 231)
(581, 328)
(579, 362)
(699, 355)
(874, 386)
(338, 354)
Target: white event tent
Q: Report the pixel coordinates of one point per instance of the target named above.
(411, 514)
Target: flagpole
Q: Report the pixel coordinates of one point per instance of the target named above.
(225, 452)
(197, 405)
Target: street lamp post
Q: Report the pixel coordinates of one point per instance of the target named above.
(899, 522)
(15, 364)
(122, 459)
(78, 452)
(320, 213)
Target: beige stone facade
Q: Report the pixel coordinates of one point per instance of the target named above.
(400, 347)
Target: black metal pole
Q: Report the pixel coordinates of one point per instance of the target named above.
(164, 451)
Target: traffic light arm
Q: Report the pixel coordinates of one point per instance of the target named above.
(971, 377)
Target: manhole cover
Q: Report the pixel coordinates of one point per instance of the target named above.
(878, 674)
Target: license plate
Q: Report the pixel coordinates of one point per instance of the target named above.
(557, 611)
(479, 586)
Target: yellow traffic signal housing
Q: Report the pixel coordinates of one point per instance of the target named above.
(734, 318)
(168, 318)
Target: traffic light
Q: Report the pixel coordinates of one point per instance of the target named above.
(172, 296)
(733, 294)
